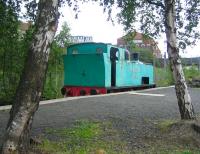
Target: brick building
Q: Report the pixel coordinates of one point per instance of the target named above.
(141, 41)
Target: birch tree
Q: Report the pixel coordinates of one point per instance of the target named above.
(45, 15)
(28, 94)
(178, 19)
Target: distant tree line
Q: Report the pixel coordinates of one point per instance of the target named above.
(13, 51)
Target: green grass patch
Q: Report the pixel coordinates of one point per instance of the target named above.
(165, 124)
(81, 130)
(83, 138)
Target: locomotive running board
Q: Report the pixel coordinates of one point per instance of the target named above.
(128, 88)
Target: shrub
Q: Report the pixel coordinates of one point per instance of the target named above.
(163, 77)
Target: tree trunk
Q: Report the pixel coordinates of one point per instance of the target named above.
(26, 102)
(182, 93)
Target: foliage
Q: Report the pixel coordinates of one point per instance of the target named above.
(55, 72)
(145, 54)
(191, 72)
(150, 15)
(14, 46)
(163, 77)
(62, 39)
(28, 93)
(14, 4)
(9, 52)
(13, 53)
(179, 20)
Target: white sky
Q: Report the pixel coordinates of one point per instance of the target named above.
(92, 22)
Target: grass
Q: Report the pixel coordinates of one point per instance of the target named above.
(172, 137)
(87, 137)
(83, 138)
(165, 124)
(176, 137)
(162, 150)
(81, 130)
(161, 147)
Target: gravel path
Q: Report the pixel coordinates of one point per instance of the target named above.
(128, 112)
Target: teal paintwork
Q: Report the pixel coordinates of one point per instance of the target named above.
(89, 64)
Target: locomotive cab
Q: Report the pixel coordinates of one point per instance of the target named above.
(114, 56)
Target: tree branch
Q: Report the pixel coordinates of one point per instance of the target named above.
(156, 3)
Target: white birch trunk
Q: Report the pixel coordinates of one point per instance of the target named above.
(17, 136)
(182, 93)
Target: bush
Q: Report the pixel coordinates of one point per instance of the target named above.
(53, 84)
(191, 73)
(163, 77)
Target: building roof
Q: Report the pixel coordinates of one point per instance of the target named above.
(24, 26)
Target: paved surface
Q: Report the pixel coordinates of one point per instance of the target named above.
(127, 111)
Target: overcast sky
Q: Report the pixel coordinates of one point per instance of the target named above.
(92, 22)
